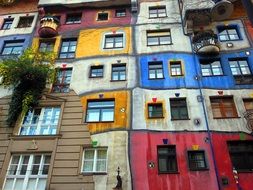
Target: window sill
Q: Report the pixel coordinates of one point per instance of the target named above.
(156, 78)
(162, 173)
(155, 117)
(245, 171)
(117, 80)
(231, 40)
(96, 77)
(176, 76)
(214, 76)
(114, 48)
(92, 122)
(72, 23)
(157, 17)
(197, 170)
(18, 137)
(180, 119)
(93, 173)
(160, 45)
(226, 117)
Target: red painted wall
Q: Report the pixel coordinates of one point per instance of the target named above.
(143, 148)
(89, 19)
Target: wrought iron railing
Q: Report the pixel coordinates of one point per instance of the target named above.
(248, 115)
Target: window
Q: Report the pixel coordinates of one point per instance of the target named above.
(68, 48)
(100, 111)
(62, 81)
(7, 23)
(113, 41)
(27, 172)
(239, 67)
(158, 37)
(211, 67)
(241, 154)
(46, 46)
(197, 160)
(95, 160)
(25, 22)
(228, 33)
(176, 68)
(118, 72)
(74, 18)
(102, 16)
(13, 47)
(157, 12)
(248, 103)
(96, 71)
(120, 12)
(223, 107)
(178, 108)
(167, 160)
(155, 110)
(155, 70)
(41, 121)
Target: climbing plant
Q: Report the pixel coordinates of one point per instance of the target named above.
(27, 75)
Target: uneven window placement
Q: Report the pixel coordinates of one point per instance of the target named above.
(118, 72)
(100, 111)
(25, 22)
(95, 160)
(223, 107)
(176, 68)
(12, 47)
(197, 160)
(96, 71)
(158, 37)
(41, 121)
(155, 70)
(211, 67)
(102, 16)
(27, 172)
(7, 23)
(228, 33)
(241, 154)
(167, 159)
(120, 12)
(62, 81)
(178, 108)
(157, 12)
(46, 46)
(239, 67)
(113, 41)
(155, 110)
(68, 48)
(74, 18)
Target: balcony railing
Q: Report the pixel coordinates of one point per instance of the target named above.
(6, 2)
(243, 79)
(248, 115)
(48, 27)
(206, 43)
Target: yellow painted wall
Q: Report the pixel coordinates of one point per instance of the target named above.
(90, 42)
(36, 43)
(121, 119)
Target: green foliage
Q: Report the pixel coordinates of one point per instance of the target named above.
(27, 75)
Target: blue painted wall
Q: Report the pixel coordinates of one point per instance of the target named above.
(191, 70)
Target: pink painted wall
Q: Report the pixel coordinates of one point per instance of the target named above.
(89, 19)
(143, 148)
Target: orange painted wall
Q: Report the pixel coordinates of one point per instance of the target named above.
(121, 119)
(239, 10)
(20, 6)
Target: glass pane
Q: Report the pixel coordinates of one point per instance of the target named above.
(19, 184)
(47, 159)
(153, 41)
(41, 184)
(93, 115)
(45, 169)
(165, 40)
(8, 184)
(89, 154)
(101, 154)
(31, 184)
(107, 114)
(35, 169)
(162, 164)
(88, 166)
(101, 166)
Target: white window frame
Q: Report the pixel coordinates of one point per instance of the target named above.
(38, 125)
(95, 160)
(28, 175)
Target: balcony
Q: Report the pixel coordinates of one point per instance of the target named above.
(243, 79)
(248, 115)
(6, 2)
(48, 27)
(205, 43)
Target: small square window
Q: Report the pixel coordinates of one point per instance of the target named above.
(158, 37)
(197, 160)
(62, 81)
(248, 104)
(94, 160)
(223, 107)
(68, 48)
(25, 22)
(102, 16)
(211, 67)
(120, 12)
(167, 159)
(113, 41)
(118, 72)
(239, 66)
(176, 68)
(12, 47)
(228, 33)
(155, 70)
(7, 23)
(178, 108)
(157, 12)
(96, 71)
(46, 46)
(74, 18)
(155, 110)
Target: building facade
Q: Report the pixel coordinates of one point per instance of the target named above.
(148, 95)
